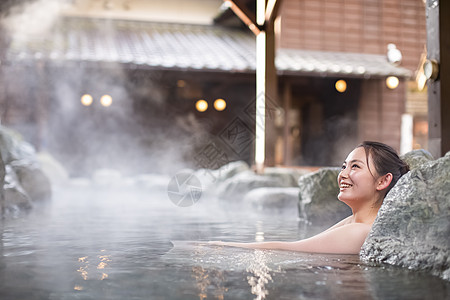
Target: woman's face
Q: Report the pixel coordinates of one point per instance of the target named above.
(356, 182)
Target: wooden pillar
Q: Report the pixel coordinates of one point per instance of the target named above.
(263, 26)
(270, 94)
(3, 49)
(266, 85)
(438, 50)
(287, 104)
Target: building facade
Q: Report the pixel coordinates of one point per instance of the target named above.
(348, 26)
(156, 69)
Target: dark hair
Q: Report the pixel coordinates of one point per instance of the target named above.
(386, 160)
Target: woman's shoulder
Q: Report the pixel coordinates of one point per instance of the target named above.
(356, 229)
(344, 239)
(343, 222)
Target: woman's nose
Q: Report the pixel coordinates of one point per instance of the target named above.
(343, 173)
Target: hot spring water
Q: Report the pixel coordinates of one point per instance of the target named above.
(118, 243)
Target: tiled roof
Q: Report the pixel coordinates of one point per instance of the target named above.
(339, 63)
(183, 47)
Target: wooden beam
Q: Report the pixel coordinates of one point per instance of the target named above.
(272, 10)
(438, 43)
(444, 41)
(246, 16)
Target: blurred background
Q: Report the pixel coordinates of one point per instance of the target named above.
(156, 86)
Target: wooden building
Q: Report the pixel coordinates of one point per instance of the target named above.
(156, 71)
(366, 27)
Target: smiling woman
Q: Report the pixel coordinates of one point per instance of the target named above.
(367, 175)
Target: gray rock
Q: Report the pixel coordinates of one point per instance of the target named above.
(318, 203)
(22, 181)
(235, 188)
(211, 179)
(288, 175)
(412, 228)
(273, 200)
(52, 168)
(229, 170)
(416, 158)
(13, 147)
(15, 197)
(33, 180)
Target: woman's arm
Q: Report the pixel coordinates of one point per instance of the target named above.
(346, 239)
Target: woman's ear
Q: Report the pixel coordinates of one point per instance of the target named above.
(384, 181)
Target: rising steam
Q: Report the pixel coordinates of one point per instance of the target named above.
(33, 18)
(89, 138)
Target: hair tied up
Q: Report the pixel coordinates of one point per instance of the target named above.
(404, 169)
(386, 160)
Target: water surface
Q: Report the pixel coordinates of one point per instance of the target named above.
(118, 243)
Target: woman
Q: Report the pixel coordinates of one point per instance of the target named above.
(367, 175)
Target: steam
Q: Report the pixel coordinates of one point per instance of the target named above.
(33, 18)
(84, 139)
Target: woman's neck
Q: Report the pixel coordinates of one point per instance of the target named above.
(367, 213)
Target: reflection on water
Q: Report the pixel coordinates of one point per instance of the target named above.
(207, 279)
(260, 275)
(110, 243)
(259, 235)
(86, 266)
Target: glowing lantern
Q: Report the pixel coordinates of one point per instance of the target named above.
(86, 99)
(201, 105)
(181, 83)
(341, 86)
(106, 100)
(392, 82)
(220, 104)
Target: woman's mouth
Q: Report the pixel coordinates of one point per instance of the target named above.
(345, 185)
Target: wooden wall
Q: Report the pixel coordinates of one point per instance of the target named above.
(380, 111)
(362, 26)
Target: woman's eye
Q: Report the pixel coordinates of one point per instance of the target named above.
(343, 167)
(355, 166)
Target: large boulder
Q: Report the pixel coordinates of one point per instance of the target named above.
(52, 168)
(235, 188)
(273, 200)
(318, 202)
(22, 180)
(13, 147)
(416, 158)
(229, 170)
(32, 179)
(289, 176)
(412, 228)
(211, 179)
(15, 197)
